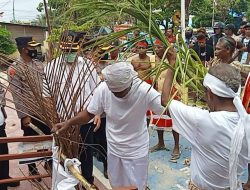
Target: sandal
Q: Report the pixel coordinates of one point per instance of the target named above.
(157, 148)
(175, 157)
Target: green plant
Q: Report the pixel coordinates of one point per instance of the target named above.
(189, 71)
(6, 45)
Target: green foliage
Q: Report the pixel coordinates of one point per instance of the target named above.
(203, 11)
(56, 32)
(6, 45)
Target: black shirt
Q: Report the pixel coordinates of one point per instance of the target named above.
(205, 53)
(214, 39)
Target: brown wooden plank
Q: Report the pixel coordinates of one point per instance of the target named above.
(25, 155)
(26, 139)
(9, 180)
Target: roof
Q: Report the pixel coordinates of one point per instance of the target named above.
(20, 24)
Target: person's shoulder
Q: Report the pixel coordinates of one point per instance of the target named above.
(208, 46)
(81, 59)
(178, 106)
(102, 87)
(135, 58)
(143, 87)
(148, 57)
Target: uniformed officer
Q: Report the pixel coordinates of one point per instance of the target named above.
(18, 84)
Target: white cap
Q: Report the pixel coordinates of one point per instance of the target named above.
(119, 76)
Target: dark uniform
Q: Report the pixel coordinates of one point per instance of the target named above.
(18, 84)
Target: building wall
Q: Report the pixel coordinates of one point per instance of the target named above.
(18, 30)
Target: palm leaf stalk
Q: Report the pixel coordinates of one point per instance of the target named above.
(189, 69)
(46, 110)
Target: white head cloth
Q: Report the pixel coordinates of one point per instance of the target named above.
(119, 76)
(220, 89)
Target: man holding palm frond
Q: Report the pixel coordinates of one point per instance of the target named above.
(121, 96)
(77, 80)
(220, 137)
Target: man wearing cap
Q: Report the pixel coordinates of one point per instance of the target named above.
(220, 137)
(141, 62)
(83, 76)
(4, 165)
(230, 32)
(218, 30)
(27, 49)
(125, 99)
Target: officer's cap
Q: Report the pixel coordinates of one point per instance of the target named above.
(26, 41)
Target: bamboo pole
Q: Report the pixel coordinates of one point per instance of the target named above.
(11, 180)
(25, 155)
(26, 139)
(70, 165)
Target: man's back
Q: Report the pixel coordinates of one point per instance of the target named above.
(210, 134)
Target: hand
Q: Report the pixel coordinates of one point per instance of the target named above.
(171, 56)
(97, 122)
(60, 127)
(26, 121)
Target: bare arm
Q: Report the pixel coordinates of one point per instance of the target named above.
(167, 85)
(81, 118)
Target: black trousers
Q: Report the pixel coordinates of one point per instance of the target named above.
(100, 142)
(27, 131)
(4, 165)
(86, 151)
(88, 138)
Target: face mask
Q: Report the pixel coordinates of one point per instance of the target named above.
(70, 57)
(32, 53)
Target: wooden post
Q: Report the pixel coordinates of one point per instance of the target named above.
(50, 52)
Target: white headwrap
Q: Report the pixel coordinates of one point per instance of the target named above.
(220, 89)
(119, 76)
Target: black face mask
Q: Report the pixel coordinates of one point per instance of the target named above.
(32, 53)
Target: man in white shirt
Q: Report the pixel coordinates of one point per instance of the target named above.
(125, 99)
(245, 41)
(219, 137)
(78, 79)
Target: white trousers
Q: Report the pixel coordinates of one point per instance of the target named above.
(128, 172)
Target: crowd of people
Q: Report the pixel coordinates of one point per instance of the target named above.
(115, 114)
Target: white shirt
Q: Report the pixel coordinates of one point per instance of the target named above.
(244, 54)
(126, 127)
(210, 134)
(2, 120)
(2, 102)
(84, 80)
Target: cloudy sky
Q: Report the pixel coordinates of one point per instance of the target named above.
(25, 10)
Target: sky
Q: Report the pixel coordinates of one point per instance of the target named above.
(25, 10)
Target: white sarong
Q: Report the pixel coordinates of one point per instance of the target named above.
(128, 172)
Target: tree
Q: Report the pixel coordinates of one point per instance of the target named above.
(6, 45)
